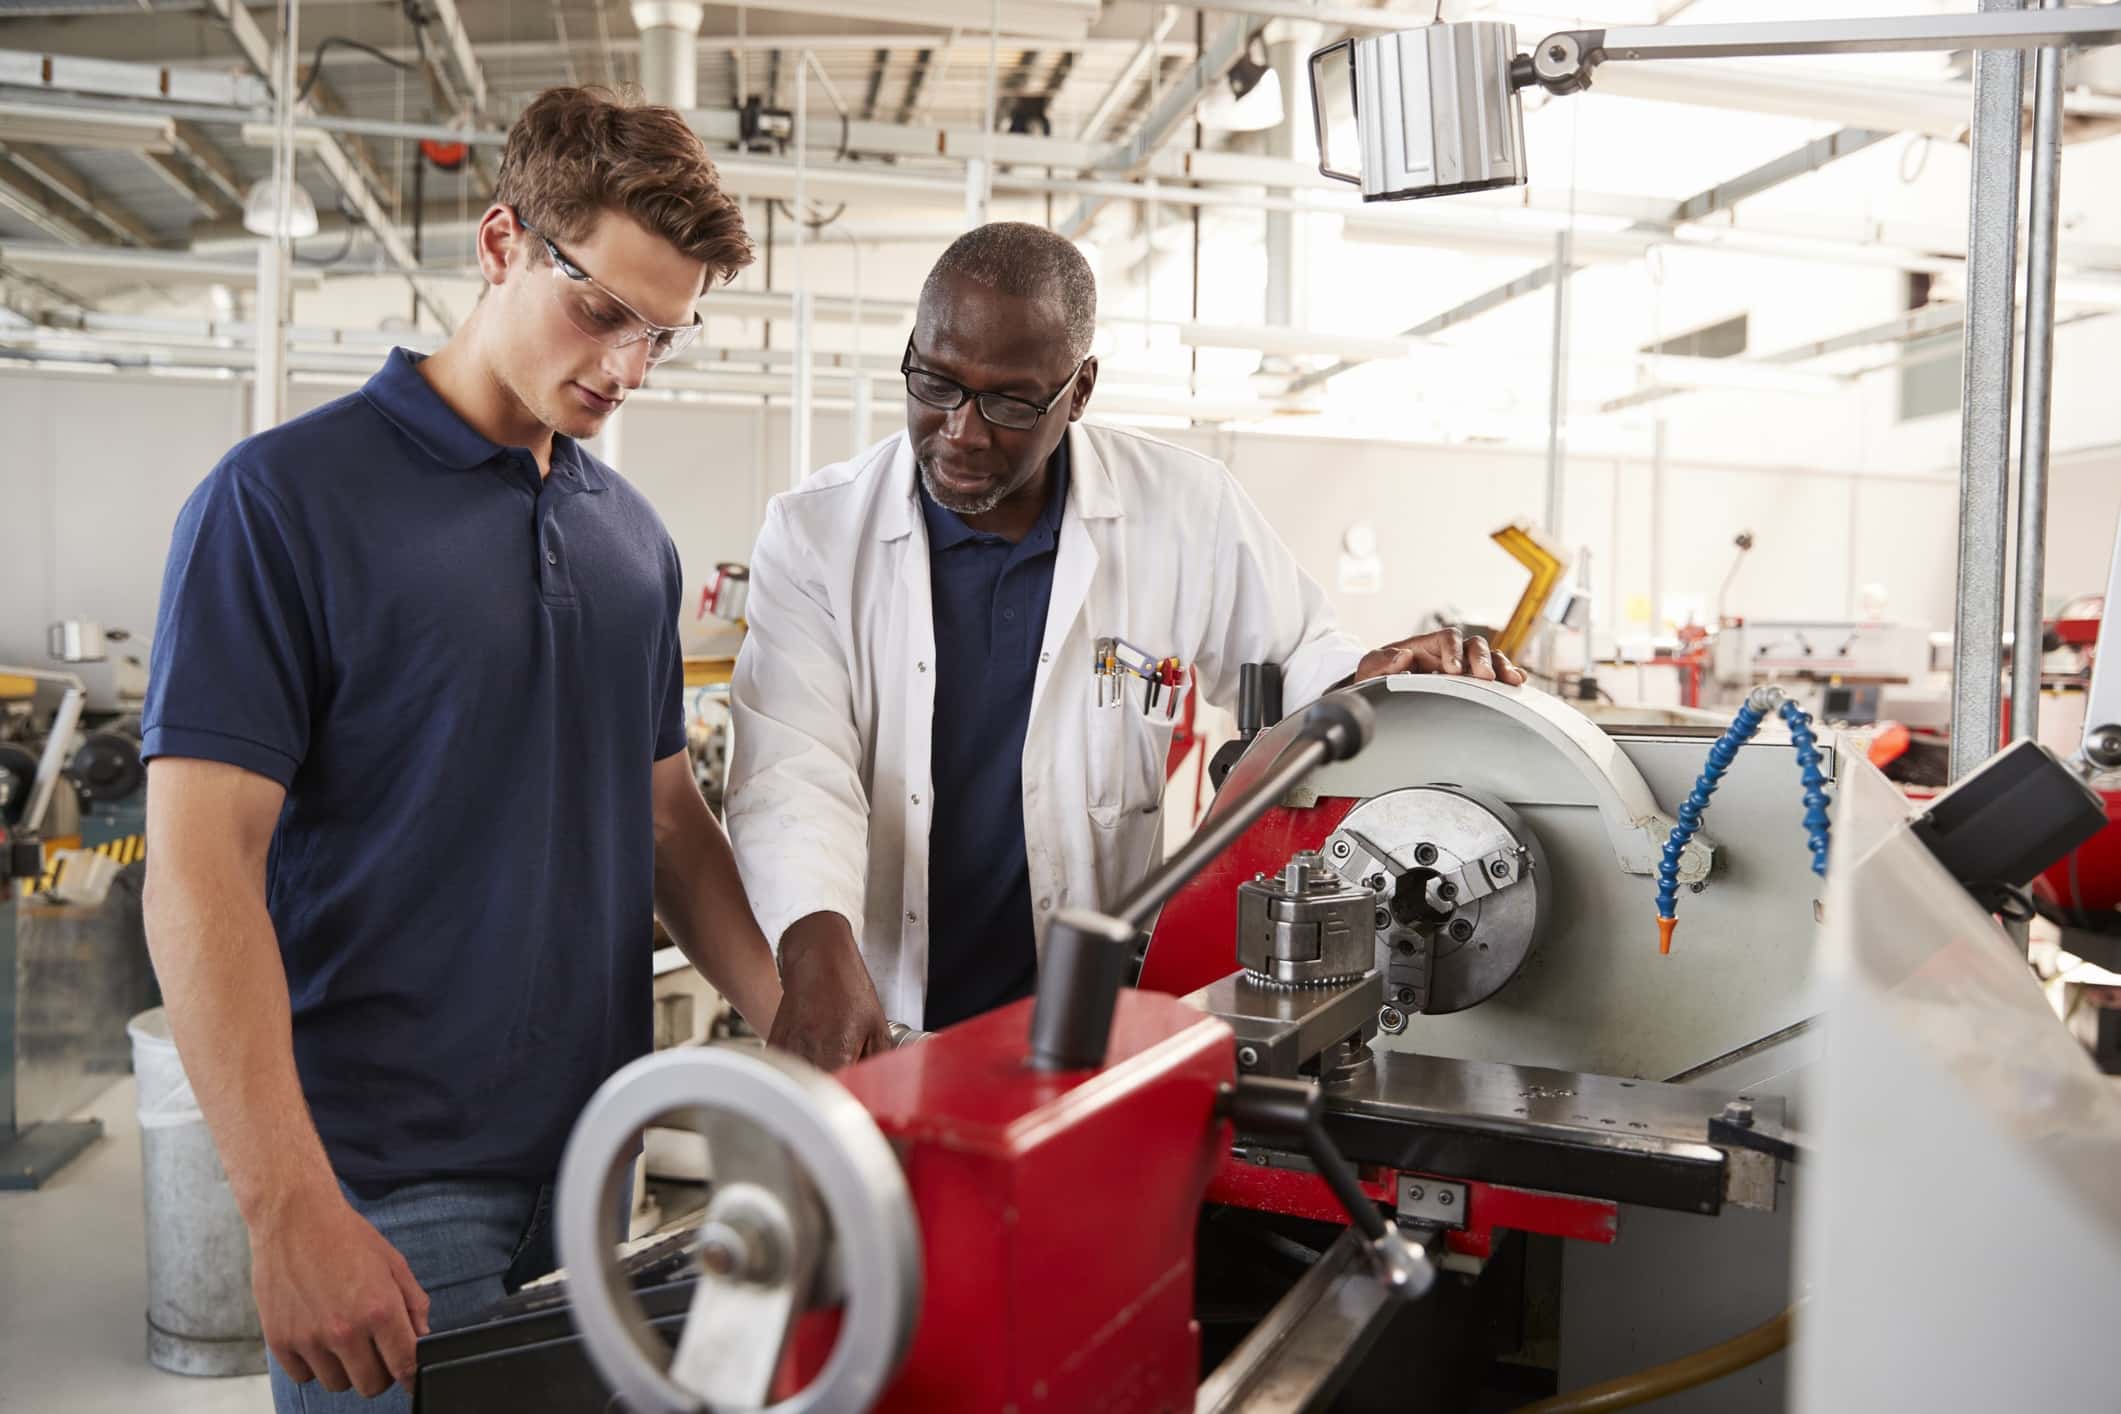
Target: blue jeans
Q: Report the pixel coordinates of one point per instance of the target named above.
(469, 1242)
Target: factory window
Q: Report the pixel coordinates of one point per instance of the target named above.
(1724, 339)
(1930, 366)
(1929, 379)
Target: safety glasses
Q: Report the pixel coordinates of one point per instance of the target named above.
(605, 317)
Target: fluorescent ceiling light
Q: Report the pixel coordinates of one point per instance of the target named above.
(56, 127)
(1801, 247)
(1293, 342)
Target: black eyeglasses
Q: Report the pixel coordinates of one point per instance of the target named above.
(1001, 409)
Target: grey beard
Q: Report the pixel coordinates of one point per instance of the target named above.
(978, 506)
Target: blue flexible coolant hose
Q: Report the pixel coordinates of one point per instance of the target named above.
(1725, 751)
(1815, 802)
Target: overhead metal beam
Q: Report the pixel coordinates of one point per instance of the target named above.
(34, 204)
(566, 45)
(1916, 324)
(1030, 19)
(1775, 172)
(878, 62)
(120, 79)
(324, 102)
(1538, 278)
(1178, 102)
(911, 101)
(161, 263)
(1716, 199)
(51, 290)
(463, 93)
(1938, 107)
(183, 183)
(46, 167)
(467, 61)
(212, 164)
(1164, 119)
(257, 50)
(1129, 76)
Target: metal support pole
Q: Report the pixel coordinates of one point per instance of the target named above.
(57, 747)
(1657, 469)
(1557, 436)
(1985, 417)
(858, 415)
(268, 405)
(2041, 241)
(1287, 263)
(799, 401)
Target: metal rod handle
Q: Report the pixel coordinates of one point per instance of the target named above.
(1333, 729)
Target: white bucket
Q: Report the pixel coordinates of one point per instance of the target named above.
(201, 1318)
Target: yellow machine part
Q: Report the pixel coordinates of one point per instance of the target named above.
(1530, 549)
(703, 671)
(13, 686)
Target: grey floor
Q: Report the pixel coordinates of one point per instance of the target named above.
(73, 1292)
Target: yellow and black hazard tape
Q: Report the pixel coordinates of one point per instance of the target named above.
(128, 849)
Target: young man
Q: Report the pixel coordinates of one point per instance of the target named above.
(922, 775)
(418, 785)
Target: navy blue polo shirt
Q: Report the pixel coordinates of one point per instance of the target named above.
(990, 602)
(462, 676)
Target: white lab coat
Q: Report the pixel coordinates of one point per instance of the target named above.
(829, 792)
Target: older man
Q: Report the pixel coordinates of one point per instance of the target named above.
(925, 770)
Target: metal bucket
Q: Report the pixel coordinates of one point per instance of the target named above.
(201, 1318)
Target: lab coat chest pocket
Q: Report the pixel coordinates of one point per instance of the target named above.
(1126, 757)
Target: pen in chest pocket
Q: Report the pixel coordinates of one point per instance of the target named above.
(1114, 661)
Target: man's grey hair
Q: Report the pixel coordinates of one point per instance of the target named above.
(1026, 261)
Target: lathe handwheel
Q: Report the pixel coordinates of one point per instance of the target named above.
(849, 1166)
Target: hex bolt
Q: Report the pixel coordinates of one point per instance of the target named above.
(1383, 917)
(1425, 854)
(1391, 1020)
(1416, 1193)
(1341, 849)
(719, 1257)
(1500, 869)
(1446, 890)
(1445, 1198)
(1461, 929)
(1376, 883)
(1404, 996)
(1739, 1113)
(1248, 1056)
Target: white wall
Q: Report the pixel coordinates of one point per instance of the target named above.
(92, 474)
(1819, 536)
(96, 469)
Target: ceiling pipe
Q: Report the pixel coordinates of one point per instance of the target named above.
(670, 50)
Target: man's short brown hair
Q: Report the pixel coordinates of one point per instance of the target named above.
(576, 152)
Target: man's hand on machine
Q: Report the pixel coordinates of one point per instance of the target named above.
(1444, 651)
(829, 1013)
(338, 1303)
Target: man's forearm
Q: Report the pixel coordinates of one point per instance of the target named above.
(700, 898)
(225, 991)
